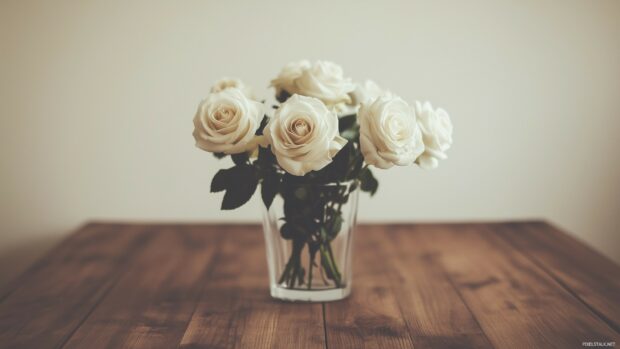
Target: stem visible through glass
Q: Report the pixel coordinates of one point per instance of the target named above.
(317, 236)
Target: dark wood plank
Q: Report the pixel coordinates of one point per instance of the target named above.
(52, 298)
(517, 304)
(150, 306)
(236, 310)
(371, 316)
(434, 310)
(593, 278)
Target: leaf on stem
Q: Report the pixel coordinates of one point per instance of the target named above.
(261, 127)
(220, 181)
(240, 159)
(368, 182)
(336, 225)
(266, 159)
(240, 184)
(269, 188)
(339, 168)
(282, 96)
(288, 231)
(353, 186)
(346, 122)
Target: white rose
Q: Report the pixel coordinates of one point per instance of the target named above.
(225, 83)
(389, 133)
(323, 80)
(366, 92)
(289, 74)
(436, 130)
(303, 135)
(226, 122)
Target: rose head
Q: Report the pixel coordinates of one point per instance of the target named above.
(436, 130)
(323, 80)
(225, 83)
(366, 92)
(226, 121)
(303, 135)
(289, 74)
(389, 133)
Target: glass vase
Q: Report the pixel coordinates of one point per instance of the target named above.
(308, 236)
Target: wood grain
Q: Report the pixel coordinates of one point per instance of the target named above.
(593, 278)
(517, 304)
(504, 285)
(149, 307)
(433, 308)
(371, 317)
(54, 296)
(236, 310)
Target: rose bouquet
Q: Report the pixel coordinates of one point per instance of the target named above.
(311, 153)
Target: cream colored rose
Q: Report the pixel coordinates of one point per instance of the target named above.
(289, 74)
(436, 130)
(389, 133)
(323, 80)
(303, 135)
(225, 83)
(226, 122)
(366, 92)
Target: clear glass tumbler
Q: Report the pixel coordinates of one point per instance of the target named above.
(308, 236)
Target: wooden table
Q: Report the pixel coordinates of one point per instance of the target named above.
(508, 285)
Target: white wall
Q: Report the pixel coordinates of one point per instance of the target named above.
(97, 97)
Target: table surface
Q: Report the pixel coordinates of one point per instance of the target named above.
(501, 285)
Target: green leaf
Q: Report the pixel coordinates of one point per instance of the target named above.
(283, 96)
(353, 186)
(323, 233)
(290, 231)
(339, 167)
(266, 159)
(293, 181)
(368, 182)
(240, 159)
(356, 167)
(269, 189)
(287, 231)
(292, 207)
(301, 193)
(346, 122)
(262, 125)
(336, 225)
(220, 181)
(242, 182)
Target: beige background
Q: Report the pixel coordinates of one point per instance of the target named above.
(97, 97)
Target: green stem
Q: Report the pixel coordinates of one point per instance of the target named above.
(284, 275)
(292, 270)
(295, 274)
(329, 265)
(291, 279)
(310, 267)
(331, 256)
